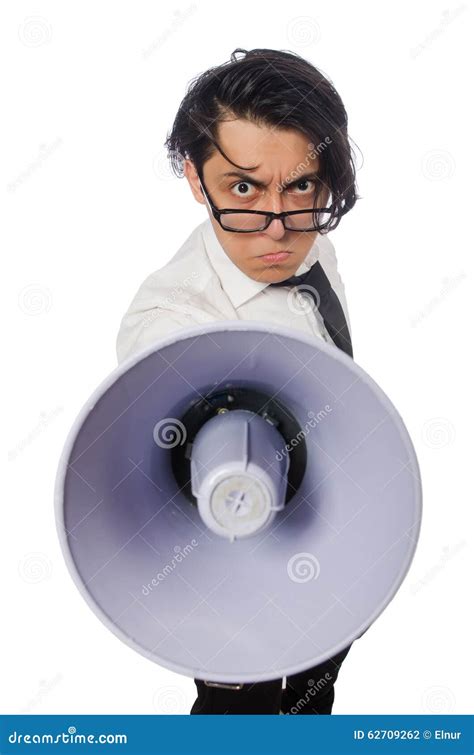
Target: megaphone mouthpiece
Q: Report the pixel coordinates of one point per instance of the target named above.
(236, 475)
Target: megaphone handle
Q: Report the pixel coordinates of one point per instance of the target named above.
(224, 686)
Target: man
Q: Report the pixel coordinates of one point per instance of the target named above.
(262, 141)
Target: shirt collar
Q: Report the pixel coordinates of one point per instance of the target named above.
(238, 286)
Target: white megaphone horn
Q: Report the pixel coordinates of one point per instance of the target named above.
(239, 501)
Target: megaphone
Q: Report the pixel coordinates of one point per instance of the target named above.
(238, 502)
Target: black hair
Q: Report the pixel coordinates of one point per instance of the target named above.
(271, 88)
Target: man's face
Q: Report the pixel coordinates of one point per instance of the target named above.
(284, 157)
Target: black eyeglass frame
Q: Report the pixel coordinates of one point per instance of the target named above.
(270, 215)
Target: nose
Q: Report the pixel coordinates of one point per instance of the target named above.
(275, 230)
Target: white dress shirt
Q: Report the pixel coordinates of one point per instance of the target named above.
(201, 284)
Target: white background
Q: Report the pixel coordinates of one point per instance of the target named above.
(90, 91)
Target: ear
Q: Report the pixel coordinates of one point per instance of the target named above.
(190, 173)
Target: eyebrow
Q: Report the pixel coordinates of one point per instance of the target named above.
(246, 177)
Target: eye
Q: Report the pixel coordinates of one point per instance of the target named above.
(305, 186)
(243, 189)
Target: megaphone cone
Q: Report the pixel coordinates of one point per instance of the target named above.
(238, 502)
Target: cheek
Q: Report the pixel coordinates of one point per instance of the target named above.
(237, 245)
(241, 251)
(307, 242)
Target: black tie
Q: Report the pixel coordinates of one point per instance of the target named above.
(315, 282)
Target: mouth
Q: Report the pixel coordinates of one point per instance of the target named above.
(275, 256)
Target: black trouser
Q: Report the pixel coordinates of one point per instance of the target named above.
(309, 692)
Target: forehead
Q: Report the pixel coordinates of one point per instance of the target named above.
(276, 151)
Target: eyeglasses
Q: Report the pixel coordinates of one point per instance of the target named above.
(249, 221)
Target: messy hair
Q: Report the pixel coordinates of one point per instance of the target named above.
(270, 88)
